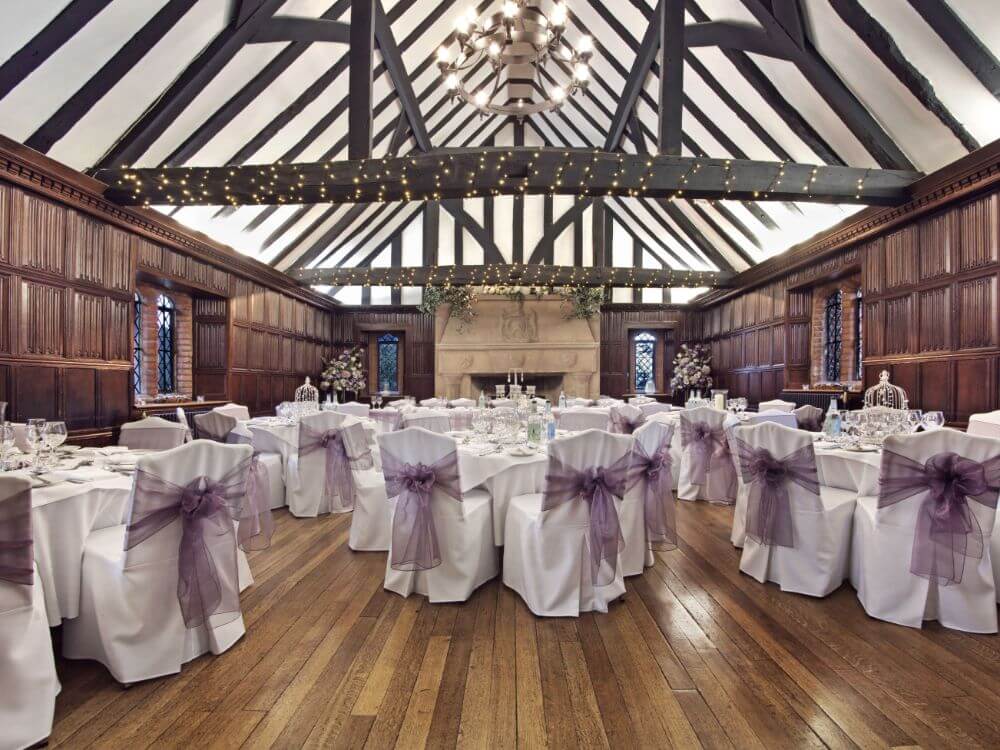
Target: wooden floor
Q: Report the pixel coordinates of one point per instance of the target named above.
(696, 654)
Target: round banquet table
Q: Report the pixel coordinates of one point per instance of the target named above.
(848, 470)
(281, 436)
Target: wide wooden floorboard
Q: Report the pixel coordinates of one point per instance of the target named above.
(696, 655)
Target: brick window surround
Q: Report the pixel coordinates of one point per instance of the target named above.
(849, 288)
(183, 349)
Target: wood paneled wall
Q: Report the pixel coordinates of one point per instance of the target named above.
(352, 326)
(617, 320)
(69, 263)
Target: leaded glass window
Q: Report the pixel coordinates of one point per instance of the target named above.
(645, 360)
(137, 345)
(388, 363)
(166, 323)
(858, 329)
(833, 332)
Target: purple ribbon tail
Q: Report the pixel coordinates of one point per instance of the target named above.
(339, 480)
(256, 523)
(16, 551)
(769, 515)
(414, 538)
(659, 512)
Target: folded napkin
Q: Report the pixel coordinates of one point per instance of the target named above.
(84, 474)
(110, 450)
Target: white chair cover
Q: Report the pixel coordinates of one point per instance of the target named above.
(817, 561)
(985, 425)
(305, 477)
(435, 420)
(214, 425)
(637, 554)
(625, 418)
(654, 407)
(464, 528)
(28, 681)
(788, 419)
(777, 405)
(434, 403)
(460, 418)
(717, 484)
(183, 420)
(130, 619)
(582, 418)
(547, 554)
(571, 402)
(882, 551)
(809, 418)
(355, 409)
(371, 521)
(398, 402)
(152, 433)
(240, 412)
(466, 403)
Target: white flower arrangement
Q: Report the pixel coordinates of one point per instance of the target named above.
(692, 368)
(345, 372)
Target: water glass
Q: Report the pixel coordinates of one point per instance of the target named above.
(33, 434)
(6, 442)
(54, 434)
(933, 420)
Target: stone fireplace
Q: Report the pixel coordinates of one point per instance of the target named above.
(532, 336)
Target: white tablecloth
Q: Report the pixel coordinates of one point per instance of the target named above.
(849, 470)
(274, 435)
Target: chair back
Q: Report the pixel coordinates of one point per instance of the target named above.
(416, 445)
(785, 418)
(781, 442)
(809, 418)
(985, 425)
(152, 433)
(651, 480)
(214, 425)
(583, 418)
(434, 403)
(388, 420)
(460, 418)
(571, 402)
(313, 424)
(3, 412)
(17, 573)
(466, 403)
(435, 420)
(625, 418)
(654, 407)
(354, 409)
(241, 413)
(777, 405)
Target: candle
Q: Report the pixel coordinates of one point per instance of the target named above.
(720, 402)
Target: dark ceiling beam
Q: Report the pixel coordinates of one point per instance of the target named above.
(40, 47)
(151, 125)
(789, 15)
(362, 52)
(320, 245)
(672, 35)
(835, 92)
(491, 253)
(633, 84)
(500, 273)
(299, 29)
(672, 259)
(962, 41)
(880, 42)
(704, 244)
(99, 84)
(733, 219)
(731, 243)
(400, 78)
(399, 134)
(732, 35)
(547, 242)
(243, 9)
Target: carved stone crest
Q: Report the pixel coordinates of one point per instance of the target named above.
(519, 326)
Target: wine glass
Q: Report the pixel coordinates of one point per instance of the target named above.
(6, 442)
(54, 435)
(33, 434)
(933, 420)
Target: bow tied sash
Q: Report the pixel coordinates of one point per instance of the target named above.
(946, 531)
(16, 558)
(414, 537)
(625, 425)
(597, 486)
(344, 449)
(656, 468)
(702, 441)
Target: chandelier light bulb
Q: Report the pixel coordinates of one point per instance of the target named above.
(581, 72)
(462, 25)
(586, 44)
(559, 14)
(452, 82)
(444, 54)
(558, 94)
(510, 9)
(482, 98)
(494, 49)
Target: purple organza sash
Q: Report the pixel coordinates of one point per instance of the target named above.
(256, 521)
(16, 555)
(597, 486)
(414, 538)
(208, 577)
(339, 481)
(625, 425)
(769, 510)
(947, 531)
(389, 419)
(658, 499)
(703, 441)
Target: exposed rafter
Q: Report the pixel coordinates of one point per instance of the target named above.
(672, 37)
(400, 78)
(359, 97)
(298, 29)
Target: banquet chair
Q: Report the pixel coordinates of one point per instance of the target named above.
(460, 418)
(183, 420)
(809, 418)
(985, 425)
(707, 471)
(796, 532)
(152, 433)
(435, 420)
(214, 425)
(240, 412)
(354, 409)
(28, 681)
(3, 411)
(550, 558)
(434, 403)
(788, 419)
(647, 510)
(625, 419)
(318, 483)
(460, 403)
(582, 418)
(921, 548)
(141, 614)
(571, 402)
(388, 419)
(441, 544)
(654, 407)
(371, 520)
(777, 405)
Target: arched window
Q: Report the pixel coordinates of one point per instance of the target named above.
(388, 363)
(137, 344)
(644, 353)
(832, 335)
(859, 350)
(166, 322)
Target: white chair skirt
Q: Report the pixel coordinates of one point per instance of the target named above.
(818, 563)
(469, 558)
(28, 682)
(130, 619)
(275, 479)
(371, 522)
(880, 571)
(305, 478)
(548, 565)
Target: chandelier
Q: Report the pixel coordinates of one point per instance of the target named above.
(518, 38)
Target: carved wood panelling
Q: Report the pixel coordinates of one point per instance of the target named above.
(118, 334)
(6, 315)
(273, 309)
(88, 326)
(257, 301)
(778, 344)
(85, 246)
(873, 329)
(197, 272)
(873, 266)
(979, 232)
(975, 386)
(934, 333)
(119, 273)
(241, 300)
(5, 198)
(764, 354)
(898, 323)
(209, 345)
(936, 386)
(241, 341)
(209, 307)
(37, 234)
(35, 392)
(936, 245)
(901, 257)
(148, 254)
(799, 303)
(287, 355)
(798, 343)
(977, 313)
(79, 402)
(42, 323)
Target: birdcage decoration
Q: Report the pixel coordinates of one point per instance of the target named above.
(885, 394)
(306, 399)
